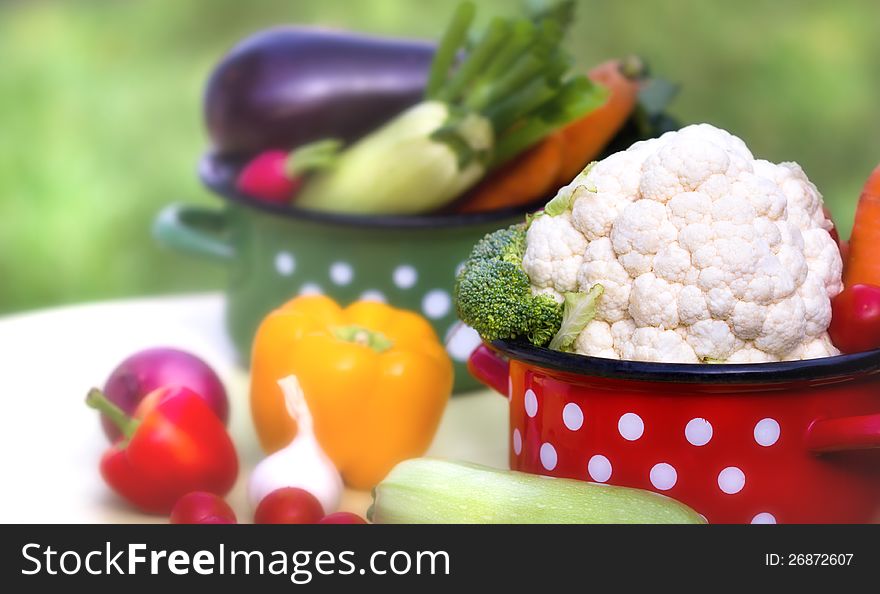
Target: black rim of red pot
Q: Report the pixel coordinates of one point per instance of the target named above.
(218, 174)
(826, 368)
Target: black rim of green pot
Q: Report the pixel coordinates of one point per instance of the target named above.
(218, 174)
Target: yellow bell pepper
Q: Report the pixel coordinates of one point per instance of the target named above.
(376, 380)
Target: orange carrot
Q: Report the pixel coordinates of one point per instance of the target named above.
(862, 265)
(526, 178)
(584, 139)
(555, 160)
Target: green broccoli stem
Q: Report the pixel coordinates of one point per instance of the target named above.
(449, 45)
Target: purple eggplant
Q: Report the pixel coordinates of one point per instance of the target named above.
(285, 87)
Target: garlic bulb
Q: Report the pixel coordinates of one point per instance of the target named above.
(302, 463)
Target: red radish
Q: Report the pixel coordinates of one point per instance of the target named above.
(200, 507)
(342, 518)
(265, 177)
(149, 370)
(855, 319)
(289, 505)
(275, 176)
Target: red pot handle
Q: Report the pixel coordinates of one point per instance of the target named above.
(845, 433)
(490, 368)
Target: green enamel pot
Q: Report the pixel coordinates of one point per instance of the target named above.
(273, 253)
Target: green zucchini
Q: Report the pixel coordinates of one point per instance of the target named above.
(429, 491)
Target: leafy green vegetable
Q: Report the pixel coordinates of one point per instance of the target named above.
(579, 310)
(560, 203)
(564, 198)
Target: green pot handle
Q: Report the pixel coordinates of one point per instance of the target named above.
(194, 230)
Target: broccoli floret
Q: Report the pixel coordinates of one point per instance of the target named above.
(494, 296)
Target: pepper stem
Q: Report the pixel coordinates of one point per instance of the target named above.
(98, 400)
(363, 336)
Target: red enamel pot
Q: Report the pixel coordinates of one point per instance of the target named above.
(792, 442)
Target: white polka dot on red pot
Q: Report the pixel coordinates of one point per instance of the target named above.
(698, 432)
(517, 442)
(630, 426)
(731, 480)
(663, 476)
(764, 518)
(572, 416)
(548, 456)
(530, 402)
(767, 432)
(599, 468)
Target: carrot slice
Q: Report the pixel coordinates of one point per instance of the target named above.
(863, 262)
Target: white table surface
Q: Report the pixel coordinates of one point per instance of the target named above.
(51, 442)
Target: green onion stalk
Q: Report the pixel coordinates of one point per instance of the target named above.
(486, 101)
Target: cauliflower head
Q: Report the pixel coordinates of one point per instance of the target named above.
(705, 253)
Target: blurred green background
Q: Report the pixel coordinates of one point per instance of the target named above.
(100, 110)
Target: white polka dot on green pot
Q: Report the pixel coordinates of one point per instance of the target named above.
(373, 295)
(461, 340)
(405, 276)
(341, 273)
(311, 289)
(285, 263)
(436, 304)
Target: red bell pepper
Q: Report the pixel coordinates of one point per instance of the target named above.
(173, 445)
